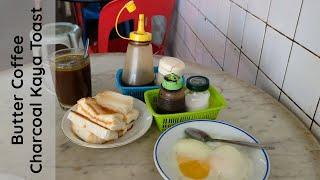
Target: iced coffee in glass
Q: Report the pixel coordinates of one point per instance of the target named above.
(72, 76)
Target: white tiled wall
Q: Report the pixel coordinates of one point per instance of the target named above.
(303, 86)
(259, 8)
(275, 55)
(231, 60)
(253, 38)
(284, 18)
(247, 71)
(263, 82)
(273, 44)
(309, 26)
(236, 24)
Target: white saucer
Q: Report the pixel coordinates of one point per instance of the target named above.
(140, 127)
(162, 153)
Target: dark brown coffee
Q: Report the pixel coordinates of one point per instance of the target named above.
(72, 78)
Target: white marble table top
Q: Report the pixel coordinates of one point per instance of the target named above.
(297, 153)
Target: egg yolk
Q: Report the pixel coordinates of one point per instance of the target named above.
(192, 168)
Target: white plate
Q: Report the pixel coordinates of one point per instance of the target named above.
(162, 153)
(140, 127)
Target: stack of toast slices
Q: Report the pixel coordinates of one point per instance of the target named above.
(103, 118)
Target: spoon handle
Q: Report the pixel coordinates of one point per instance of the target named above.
(85, 54)
(243, 143)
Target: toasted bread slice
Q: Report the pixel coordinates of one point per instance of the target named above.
(84, 134)
(131, 116)
(115, 101)
(81, 121)
(99, 115)
(128, 127)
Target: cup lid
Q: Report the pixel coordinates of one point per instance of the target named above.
(172, 82)
(169, 65)
(198, 83)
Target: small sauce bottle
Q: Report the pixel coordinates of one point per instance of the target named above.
(197, 95)
(138, 66)
(171, 96)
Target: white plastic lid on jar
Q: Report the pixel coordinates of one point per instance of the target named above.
(169, 65)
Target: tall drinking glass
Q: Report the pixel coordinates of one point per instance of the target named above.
(71, 76)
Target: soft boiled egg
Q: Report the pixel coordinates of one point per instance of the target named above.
(229, 164)
(193, 158)
(198, 161)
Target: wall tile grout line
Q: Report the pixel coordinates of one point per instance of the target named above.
(260, 20)
(201, 43)
(293, 42)
(225, 44)
(269, 9)
(238, 64)
(271, 80)
(291, 39)
(315, 113)
(227, 38)
(264, 36)
(285, 72)
(294, 35)
(258, 69)
(246, 56)
(244, 27)
(311, 124)
(249, 11)
(295, 31)
(224, 54)
(266, 25)
(241, 52)
(297, 105)
(282, 92)
(315, 124)
(184, 43)
(208, 18)
(182, 38)
(279, 96)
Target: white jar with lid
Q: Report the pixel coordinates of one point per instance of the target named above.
(197, 95)
(168, 65)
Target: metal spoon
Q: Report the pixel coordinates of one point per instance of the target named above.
(204, 137)
(85, 53)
